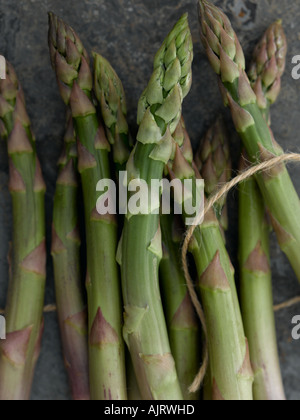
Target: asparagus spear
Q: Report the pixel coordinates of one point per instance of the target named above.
(214, 164)
(106, 349)
(111, 97)
(180, 315)
(159, 112)
(256, 284)
(24, 310)
(227, 59)
(256, 292)
(186, 147)
(267, 67)
(67, 272)
(230, 370)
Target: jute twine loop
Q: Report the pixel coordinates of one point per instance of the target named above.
(223, 191)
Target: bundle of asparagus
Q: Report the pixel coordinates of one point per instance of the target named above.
(148, 307)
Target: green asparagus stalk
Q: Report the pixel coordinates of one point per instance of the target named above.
(267, 67)
(214, 164)
(180, 315)
(24, 309)
(256, 283)
(256, 292)
(227, 59)
(106, 349)
(159, 112)
(230, 370)
(111, 97)
(67, 271)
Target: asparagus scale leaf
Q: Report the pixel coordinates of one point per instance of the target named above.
(24, 309)
(227, 60)
(106, 348)
(159, 112)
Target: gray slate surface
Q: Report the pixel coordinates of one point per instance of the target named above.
(128, 33)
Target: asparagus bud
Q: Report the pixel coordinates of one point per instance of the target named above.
(268, 65)
(111, 97)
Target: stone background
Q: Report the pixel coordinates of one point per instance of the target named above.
(128, 33)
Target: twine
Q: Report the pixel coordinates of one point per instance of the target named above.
(223, 191)
(50, 308)
(288, 304)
